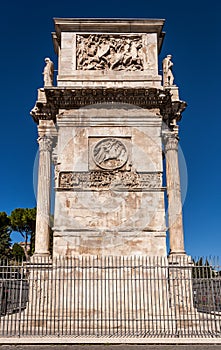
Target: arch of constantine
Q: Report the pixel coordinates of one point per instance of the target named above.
(109, 127)
(105, 125)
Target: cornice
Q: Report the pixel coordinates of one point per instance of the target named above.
(107, 25)
(110, 25)
(56, 98)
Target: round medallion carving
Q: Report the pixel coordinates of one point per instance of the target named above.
(110, 153)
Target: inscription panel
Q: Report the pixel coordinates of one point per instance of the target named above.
(114, 180)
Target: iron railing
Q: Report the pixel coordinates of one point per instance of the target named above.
(111, 296)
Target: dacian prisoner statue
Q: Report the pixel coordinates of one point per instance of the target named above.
(168, 77)
(48, 72)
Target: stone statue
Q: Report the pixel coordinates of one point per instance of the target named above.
(48, 72)
(168, 77)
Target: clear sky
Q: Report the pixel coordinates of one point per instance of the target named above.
(192, 37)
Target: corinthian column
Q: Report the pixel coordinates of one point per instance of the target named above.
(43, 197)
(174, 193)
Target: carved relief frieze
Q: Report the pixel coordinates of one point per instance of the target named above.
(110, 52)
(63, 98)
(106, 180)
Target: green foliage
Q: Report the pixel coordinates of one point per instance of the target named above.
(202, 269)
(23, 221)
(17, 252)
(5, 241)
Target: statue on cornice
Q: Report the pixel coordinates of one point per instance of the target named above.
(48, 72)
(168, 77)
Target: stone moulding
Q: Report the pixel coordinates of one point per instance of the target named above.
(106, 180)
(108, 25)
(76, 98)
(68, 98)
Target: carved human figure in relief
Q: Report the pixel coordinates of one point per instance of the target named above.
(109, 52)
(110, 153)
(168, 77)
(48, 72)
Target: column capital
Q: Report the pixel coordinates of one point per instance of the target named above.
(170, 141)
(45, 143)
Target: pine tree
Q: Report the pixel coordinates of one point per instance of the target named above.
(18, 252)
(23, 221)
(5, 240)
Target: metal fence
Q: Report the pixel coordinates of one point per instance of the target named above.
(111, 296)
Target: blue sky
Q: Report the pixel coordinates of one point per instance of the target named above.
(192, 37)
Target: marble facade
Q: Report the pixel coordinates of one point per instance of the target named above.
(104, 125)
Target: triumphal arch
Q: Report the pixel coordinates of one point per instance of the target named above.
(106, 121)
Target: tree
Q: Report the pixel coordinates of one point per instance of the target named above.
(202, 269)
(23, 221)
(5, 241)
(17, 252)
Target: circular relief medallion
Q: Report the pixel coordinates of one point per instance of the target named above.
(110, 154)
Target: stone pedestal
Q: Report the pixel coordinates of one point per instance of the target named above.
(180, 284)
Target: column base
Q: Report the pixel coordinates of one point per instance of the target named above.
(181, 252)
(40, 257)
(180, 259)
(41, 254)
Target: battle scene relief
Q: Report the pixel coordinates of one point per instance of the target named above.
(100, 52)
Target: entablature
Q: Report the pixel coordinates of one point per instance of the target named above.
(108, 25)
(52, 99)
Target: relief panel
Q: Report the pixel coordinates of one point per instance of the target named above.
(114, 52)
(106, 180)
(109, 153)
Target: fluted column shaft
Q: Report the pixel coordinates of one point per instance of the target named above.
(43, 197)
(175, 218)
